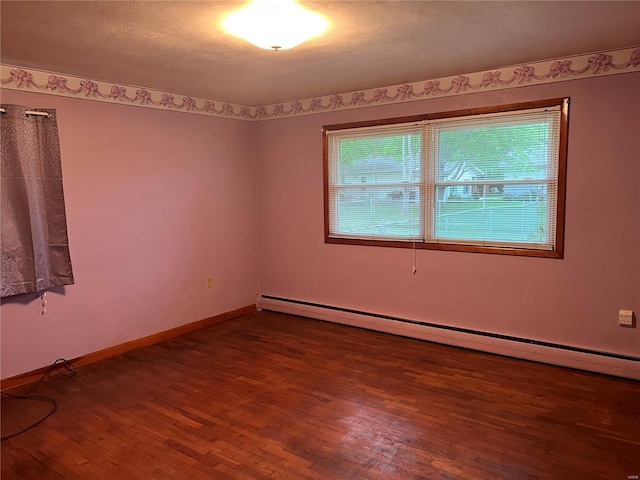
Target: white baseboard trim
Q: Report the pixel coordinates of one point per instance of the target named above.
(608, 363)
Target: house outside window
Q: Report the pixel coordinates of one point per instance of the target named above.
(490, 181)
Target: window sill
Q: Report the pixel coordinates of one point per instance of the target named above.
(449, 247)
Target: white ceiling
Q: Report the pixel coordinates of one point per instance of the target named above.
(178, 47)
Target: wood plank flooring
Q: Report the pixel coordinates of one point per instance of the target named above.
(267, 395)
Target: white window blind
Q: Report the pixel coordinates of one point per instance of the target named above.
(494, 179)
(481, 180)
(376, 183)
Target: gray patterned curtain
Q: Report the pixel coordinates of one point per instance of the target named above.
(35, 249)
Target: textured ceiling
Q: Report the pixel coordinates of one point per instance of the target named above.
(178, 47)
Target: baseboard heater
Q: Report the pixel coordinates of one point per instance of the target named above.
(610, 363)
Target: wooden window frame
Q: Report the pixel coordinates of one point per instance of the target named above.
(557, 252)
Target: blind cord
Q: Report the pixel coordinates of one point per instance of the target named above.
(414, 258)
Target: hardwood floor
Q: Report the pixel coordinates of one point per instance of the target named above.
(267, 395)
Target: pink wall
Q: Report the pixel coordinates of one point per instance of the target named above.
(574, 301)
(156, 202)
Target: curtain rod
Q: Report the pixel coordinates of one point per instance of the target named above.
(29, 112)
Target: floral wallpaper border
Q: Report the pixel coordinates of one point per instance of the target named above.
(570, 68)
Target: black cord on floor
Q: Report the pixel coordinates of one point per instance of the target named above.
(63, 367)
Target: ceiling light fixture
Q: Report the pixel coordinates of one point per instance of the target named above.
(275, 24)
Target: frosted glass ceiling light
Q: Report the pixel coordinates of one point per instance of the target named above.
(275, 24)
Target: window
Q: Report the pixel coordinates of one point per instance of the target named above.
(489, 180)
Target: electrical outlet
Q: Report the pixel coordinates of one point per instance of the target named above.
(209, 282)
(625, 318)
